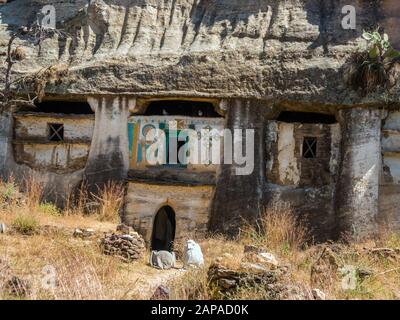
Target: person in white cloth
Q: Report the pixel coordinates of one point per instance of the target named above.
(192, 255)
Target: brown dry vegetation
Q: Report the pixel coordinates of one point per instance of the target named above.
(41, 242)
(377, 274)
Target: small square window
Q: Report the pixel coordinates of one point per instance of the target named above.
(55, 131)
(309, 147)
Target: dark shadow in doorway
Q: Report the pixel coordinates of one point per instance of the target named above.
(163, 235)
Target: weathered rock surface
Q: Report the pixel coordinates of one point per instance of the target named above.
(225, 279)
(272, 49)
(252, 276)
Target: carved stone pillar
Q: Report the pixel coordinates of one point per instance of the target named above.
(357, 190)
(109, 155)
(238, 198)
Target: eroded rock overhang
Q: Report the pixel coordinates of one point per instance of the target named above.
(268, 49)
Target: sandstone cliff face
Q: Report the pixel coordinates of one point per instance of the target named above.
(287, 50)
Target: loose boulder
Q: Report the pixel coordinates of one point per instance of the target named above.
(226, 280)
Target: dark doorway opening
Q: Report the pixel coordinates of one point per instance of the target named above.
(306, 117)
(186, 108)
(163, 235)
(65, 107)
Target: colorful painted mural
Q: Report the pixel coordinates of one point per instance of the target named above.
(173, 126)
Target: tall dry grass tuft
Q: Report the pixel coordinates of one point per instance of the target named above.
(77, 200)
(76, 277)
(193, 285)
(10, 194)
(110, 198)
(33, 190)
(278, 229)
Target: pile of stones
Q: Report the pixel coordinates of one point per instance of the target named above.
(128, 245)
(258, 270)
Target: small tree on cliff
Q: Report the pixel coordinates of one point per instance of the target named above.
(19, 91)
(376, 67)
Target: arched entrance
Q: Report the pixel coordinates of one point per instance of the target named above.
(163, 235)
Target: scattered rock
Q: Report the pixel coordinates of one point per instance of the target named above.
(83, 233)
(225, 279)
(363, 273)
(162, 259)
(3, 228)
(318, 294)
(127, 237)
(161, 293)
(192, 255)
(18, 287)
(294, 292)
(266, 259)
(127, 247)
(78, 233)
(324, 269)
(253, 267)
(124, 229)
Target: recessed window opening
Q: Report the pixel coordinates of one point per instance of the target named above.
(181, 108)
(55, 131)
(64, 107)
(306, 117)
(309, 147)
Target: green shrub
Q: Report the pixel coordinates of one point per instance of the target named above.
(374, 67)
(25, 224)
(49, 209)
(8, 192)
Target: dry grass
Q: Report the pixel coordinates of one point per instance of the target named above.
(288, 239)
(279, 230)
(33, 190)
(110, 200)
(83, 272)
